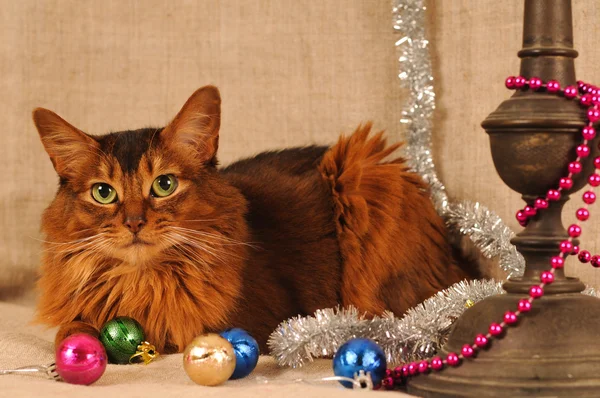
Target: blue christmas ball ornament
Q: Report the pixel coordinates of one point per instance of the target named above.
(246, 351)
(360, 354)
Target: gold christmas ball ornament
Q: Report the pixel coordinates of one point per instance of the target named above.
(209, 360)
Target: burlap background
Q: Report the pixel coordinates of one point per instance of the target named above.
(291, 73)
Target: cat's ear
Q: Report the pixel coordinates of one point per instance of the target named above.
(68, 147)
(195, 129)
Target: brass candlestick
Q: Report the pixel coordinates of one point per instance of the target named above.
(555, 349)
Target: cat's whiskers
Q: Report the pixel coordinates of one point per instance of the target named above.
(81, 231)
(199, 245)
(69, 242)
(186, 252)
(200, 220)
(214, 248)
(75, 246)
(230, 241)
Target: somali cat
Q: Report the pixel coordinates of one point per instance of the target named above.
(144, 224)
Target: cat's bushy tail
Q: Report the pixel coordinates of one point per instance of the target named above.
(389, 233)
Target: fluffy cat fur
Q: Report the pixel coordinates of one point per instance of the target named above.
(270, 237)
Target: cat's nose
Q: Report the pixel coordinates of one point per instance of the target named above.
(134, 224)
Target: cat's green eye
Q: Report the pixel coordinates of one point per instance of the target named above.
(104, 193)
(164, 185)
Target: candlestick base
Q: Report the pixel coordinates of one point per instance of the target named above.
(553, 351)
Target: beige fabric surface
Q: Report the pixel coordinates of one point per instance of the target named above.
(22, 344)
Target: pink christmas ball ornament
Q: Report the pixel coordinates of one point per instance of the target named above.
(80, 359)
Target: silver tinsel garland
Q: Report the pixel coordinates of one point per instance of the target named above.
(417, 335)
(424, 328)
(487, 232)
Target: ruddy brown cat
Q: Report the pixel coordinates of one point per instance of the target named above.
(144, 224)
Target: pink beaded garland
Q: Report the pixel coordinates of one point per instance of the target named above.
(520, 82)
(536, 83)
(583, 150)
(584, 256)
(570, 91)
(413, 368)
(557, 262)
(565, 183)
(595, 261)
(575, 250)
(594, 180)
(552, 86)
(452, 359)
(582, 214)
(536, 292)
(553, 194)
(566, 246)
(388, 383)
(495, 329)
(597, 162)
(547, 277)
(481, 341)
(524, 305)
(574, 230)
(589, 197)
(510, 318)
(588, 133)
(423, 367)
(586, 100)
(575, 167)
(542, 203)
(467, 351)
(529, 211)
(593, 115)
(510, 82)
(437, 363)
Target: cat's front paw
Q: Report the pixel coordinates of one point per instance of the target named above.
(74, 327)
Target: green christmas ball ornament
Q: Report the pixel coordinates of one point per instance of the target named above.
(121, 337)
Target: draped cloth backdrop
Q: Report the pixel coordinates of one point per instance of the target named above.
(290, 72)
